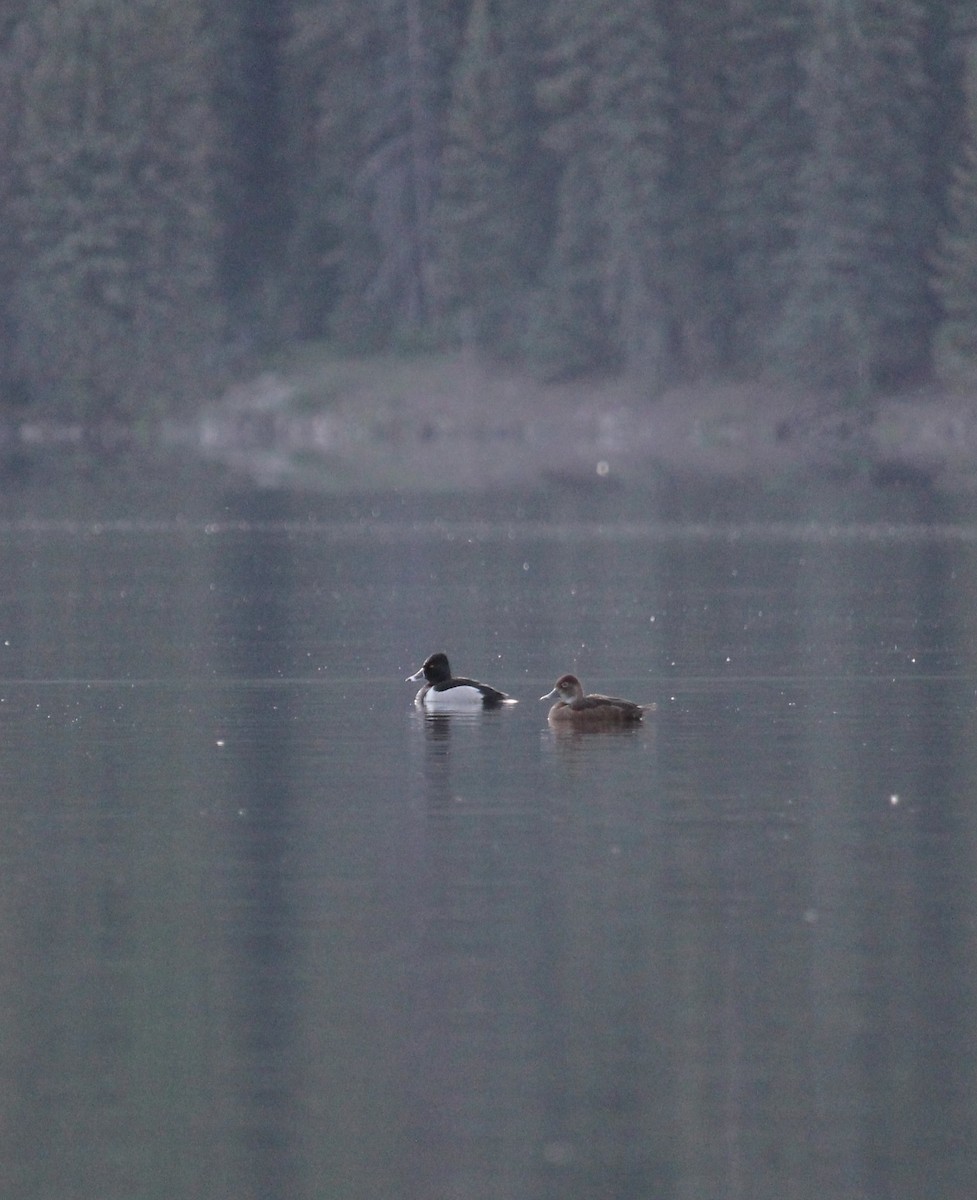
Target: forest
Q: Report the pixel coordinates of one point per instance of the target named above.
(676, 190)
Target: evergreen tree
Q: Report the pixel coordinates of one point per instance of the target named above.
(670, 189)
(366, 153)
(13, 46)
(765, 138)
(858, 277)
(8, 245)
(115, 289)
(493, 195)
(604, 300)
(630, 101)
(955, 275)
(572, 331)
(251, 168)
(698, 267)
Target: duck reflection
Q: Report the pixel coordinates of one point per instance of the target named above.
(437, 726)
(440, 731)
(581, 745)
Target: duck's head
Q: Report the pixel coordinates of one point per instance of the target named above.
(567, 688)
(434, 669)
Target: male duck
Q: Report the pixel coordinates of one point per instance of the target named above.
(591, 711)
(442, 692)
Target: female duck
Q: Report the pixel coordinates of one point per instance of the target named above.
(442, 692)
(592, 711)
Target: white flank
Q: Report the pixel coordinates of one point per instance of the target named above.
(465, 698)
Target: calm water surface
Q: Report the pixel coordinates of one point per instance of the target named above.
(268, 932)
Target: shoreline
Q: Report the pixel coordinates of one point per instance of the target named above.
(442, 424)
(446, 424)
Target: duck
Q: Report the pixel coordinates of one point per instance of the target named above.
(443, 692)
(593, 710)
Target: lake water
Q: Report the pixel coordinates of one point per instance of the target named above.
(268, 932)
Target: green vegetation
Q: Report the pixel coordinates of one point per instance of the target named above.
(760, 190)
(110, 291)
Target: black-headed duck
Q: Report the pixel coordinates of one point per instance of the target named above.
(442, 692)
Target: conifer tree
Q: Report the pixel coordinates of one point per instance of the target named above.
(365, 154)
(765, 135)
(572, 331)
(699, 268)
(492, 194)
(954, 277)
(956, 274)
(630, 94)
(115, 290)
(246, 39)
(11, 45)
(857, 272)
(604, 302)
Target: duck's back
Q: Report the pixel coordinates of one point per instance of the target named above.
(463, 693)
(597, 708)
